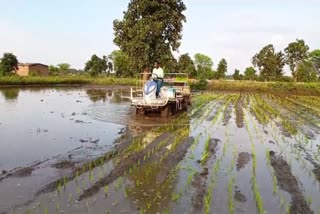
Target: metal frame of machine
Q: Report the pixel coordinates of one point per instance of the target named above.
(166, 106)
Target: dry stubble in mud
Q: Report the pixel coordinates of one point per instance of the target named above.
(288, 182)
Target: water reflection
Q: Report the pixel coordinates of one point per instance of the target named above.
(111, 96)
(96, 95)
(10, 94)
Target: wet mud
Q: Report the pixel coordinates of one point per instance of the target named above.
(64, 164)
(239, 112)
(289, 183)
(121, 144)
(227, 114)
(199, 182)
(147, 156)
(242, 160)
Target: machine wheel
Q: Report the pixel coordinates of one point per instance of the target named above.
(139, 111)
(165, 112)
(185, 104)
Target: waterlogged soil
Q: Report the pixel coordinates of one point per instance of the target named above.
(289, 183)
(83, 150)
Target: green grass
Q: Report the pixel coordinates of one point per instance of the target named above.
(65, 80)
(266, 87)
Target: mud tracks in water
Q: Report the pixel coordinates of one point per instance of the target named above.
(64, 165)
(289, 183)
(243, 159)
(239, 112)
(121, 144)
(199, 182)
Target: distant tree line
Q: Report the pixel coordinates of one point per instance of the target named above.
(304, 65)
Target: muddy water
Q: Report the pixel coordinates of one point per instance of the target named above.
(39, 124)
(84, 151)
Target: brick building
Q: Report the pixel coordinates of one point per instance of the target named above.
(26, 69)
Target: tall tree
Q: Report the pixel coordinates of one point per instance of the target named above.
(250, 73)
(296, 53)
(306, 72)
(314, 57)
(96, 65)
(222, 69)
(236, 75)
(269, 62)
(150, 31)
(203, 65)
(8, 64)
(64, 66)
(186, 65)
(120, 63)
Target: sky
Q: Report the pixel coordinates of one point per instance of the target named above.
(53, 32)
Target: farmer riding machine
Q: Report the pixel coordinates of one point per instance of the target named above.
(174, 95)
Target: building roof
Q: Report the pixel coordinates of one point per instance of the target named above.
(31, 64)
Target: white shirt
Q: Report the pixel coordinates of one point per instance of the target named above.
(158, 72)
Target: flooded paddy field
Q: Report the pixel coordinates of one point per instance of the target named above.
(84, 151)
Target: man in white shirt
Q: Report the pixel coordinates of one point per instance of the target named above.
(158, 71)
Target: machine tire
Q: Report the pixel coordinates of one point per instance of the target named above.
(165, 112)
(139, 111)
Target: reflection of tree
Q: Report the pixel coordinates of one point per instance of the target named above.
(10, 94)
(96, 95)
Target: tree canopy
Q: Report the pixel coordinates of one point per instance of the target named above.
(203, 65)
(150, 31)
(315, 59)
(236, 75)
(295, 54)
(222, 69)
(306, 72)
(96, 65)
(63, 66)
(120, 63)
(250, 73)
(8, 63)
(269, 62)
(186, 65)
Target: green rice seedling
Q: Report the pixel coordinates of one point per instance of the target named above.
(46, 211)
(149, 205)
(230, 195)
(206, 151)
(70, 197)
(309, 200)
(125, 192)
(207, 199)
(288, 210)
(91, 176)
(141, 211)
(257, 195)
(175, 197)
(78, 189)
(106, 190)
(58, 207)
(65, 181)
(282, 202)
(59, 187)
(224, 149)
